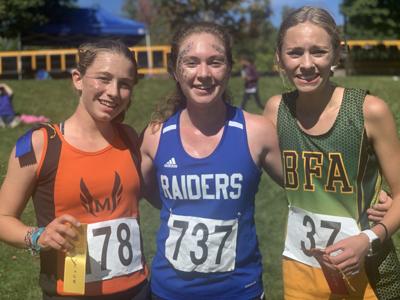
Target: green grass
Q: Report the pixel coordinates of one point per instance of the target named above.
(56, 99)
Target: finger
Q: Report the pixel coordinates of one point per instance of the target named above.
(69, 219)
(380, 207)
(67, 231)
(64, 244)
(376, 212)
(375, 219)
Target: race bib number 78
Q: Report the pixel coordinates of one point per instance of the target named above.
(200, 244)
(113, 249)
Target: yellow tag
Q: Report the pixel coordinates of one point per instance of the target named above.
(75, 264)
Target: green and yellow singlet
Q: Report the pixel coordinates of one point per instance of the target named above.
(330, 181)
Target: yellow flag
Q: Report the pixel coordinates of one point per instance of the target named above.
(75, 264)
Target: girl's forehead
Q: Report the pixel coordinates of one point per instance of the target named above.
(304, 33)
(202, 38)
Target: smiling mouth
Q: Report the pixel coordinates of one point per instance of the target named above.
(107, 103)
(201, 87)
(308, 78)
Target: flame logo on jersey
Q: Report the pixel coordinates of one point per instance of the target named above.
(94, 206)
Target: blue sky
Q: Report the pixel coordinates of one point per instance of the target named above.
(114, 6)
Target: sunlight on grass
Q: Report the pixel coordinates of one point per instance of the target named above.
(57, 100)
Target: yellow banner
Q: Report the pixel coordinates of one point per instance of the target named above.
(75, 264)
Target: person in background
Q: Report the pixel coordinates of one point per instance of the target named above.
(336, 145)
(83, 177)
(8, 117)
(250, 76)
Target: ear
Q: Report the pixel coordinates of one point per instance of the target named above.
(278, 63)
(77, 79)
(176, 77)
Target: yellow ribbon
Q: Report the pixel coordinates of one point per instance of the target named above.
(75, 264)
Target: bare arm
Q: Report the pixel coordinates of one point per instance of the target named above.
(7, 89)
(271, 109)
(148, 150)
(264, 145)
(14, 194)
(382, 133)
(15, 191)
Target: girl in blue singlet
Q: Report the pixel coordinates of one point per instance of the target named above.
(206, 157)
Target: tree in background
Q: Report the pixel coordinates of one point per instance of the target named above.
(256, 35)
(372, 19)
(17, 16)
(248, 22)
(286, 11)
(146, 11)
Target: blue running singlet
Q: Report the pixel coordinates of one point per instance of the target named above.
(207, 245)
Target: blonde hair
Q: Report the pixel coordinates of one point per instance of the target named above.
(314, 15)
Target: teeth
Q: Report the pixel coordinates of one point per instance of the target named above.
(307, 78)
(203, 87)
(108, 103)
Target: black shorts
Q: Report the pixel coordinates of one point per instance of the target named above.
(140, 292)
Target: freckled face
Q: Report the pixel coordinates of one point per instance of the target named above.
(107, 85)
(202, 68)
(307, 55)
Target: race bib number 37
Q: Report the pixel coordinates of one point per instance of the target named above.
(114, 249)
(200, 244)
(307, 230)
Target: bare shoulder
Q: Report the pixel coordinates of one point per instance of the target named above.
(150, 139)
(38, 143)
(271, 108)
(26, 171)
(378, 119)
(258, 125)
(375, 108)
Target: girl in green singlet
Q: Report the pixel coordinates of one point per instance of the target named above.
(336, 144)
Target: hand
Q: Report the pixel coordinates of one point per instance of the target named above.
(348, 255)
(59, 234)
(378, 211)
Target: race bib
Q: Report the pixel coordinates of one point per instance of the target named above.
(200, 244)
(113, 249)
(308, 230)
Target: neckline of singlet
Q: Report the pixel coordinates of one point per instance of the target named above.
(61, 129)
(334, 125)
(229, 113)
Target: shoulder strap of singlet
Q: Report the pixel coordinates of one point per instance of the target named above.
(133, 148)
(171, 123)
(24, 150)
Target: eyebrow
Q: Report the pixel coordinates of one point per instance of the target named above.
(105, 73)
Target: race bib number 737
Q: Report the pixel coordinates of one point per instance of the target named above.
(201, 244)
